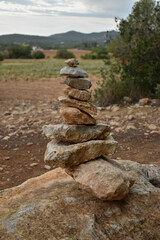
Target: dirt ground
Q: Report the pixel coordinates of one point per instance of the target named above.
(26, 106)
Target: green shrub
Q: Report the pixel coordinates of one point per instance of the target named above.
(5, 54)
(38, 54)
(20, 51)
(157, 91)
(97, 53)
(1, 57)
(111, 89)
(64, 54)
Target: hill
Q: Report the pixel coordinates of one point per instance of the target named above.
(68, 39)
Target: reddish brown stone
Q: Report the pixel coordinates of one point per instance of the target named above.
(72, 115)
(82, 95)
(86, 107)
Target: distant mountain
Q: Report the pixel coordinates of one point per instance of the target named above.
(70, 38)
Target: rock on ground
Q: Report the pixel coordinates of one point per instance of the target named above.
(72, 115)
(76, 133)
(66, 155)
(52, 206)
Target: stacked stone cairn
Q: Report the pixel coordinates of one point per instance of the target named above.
(80, 145)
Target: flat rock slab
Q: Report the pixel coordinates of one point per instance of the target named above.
(52, 206)
(86, 107)
(68, 155)
(76, 133)
(78, 83)
(73, 72)
(72, 115)
(103, 178)
(82, 95)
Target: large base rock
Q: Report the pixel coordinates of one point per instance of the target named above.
(103, 178)
(67, 155)
(53, 207)
(76, 133)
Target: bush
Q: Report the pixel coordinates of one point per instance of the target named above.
(38, 54)
(64, 54)
(157, 91)
(111, 89)
(97, 53)
(20, 51)
(1, 57)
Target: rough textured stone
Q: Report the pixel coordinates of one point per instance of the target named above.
(78, 83)
(68, 155)
(82, 95)
(76, 133)
(144, 101)
(75, 116)
(72, 62)
(103, 178)
(52, 206)
(86, 107)
(73, 72)
(153, 174)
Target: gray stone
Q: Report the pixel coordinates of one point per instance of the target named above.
(73, 72)
(68, 155)
(76, 133)
(78, 83)
(47, 167)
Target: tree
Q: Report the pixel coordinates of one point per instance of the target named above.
(38, 54)
(64, 54)
(140, 35)
(1, 57)
(138, 49)
(97, 53)
(20, 51)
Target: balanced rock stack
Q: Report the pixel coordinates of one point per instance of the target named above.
(80, 145)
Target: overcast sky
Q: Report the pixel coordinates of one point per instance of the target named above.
(46, 17)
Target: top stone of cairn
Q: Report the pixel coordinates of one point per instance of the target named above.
(72, 62)
(71, 70)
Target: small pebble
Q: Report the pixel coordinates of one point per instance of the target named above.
(29, 144)
(47, 167)
(15, 149)
(33, 164)
(6, 138)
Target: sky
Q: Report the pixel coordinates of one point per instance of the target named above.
(47, 17)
